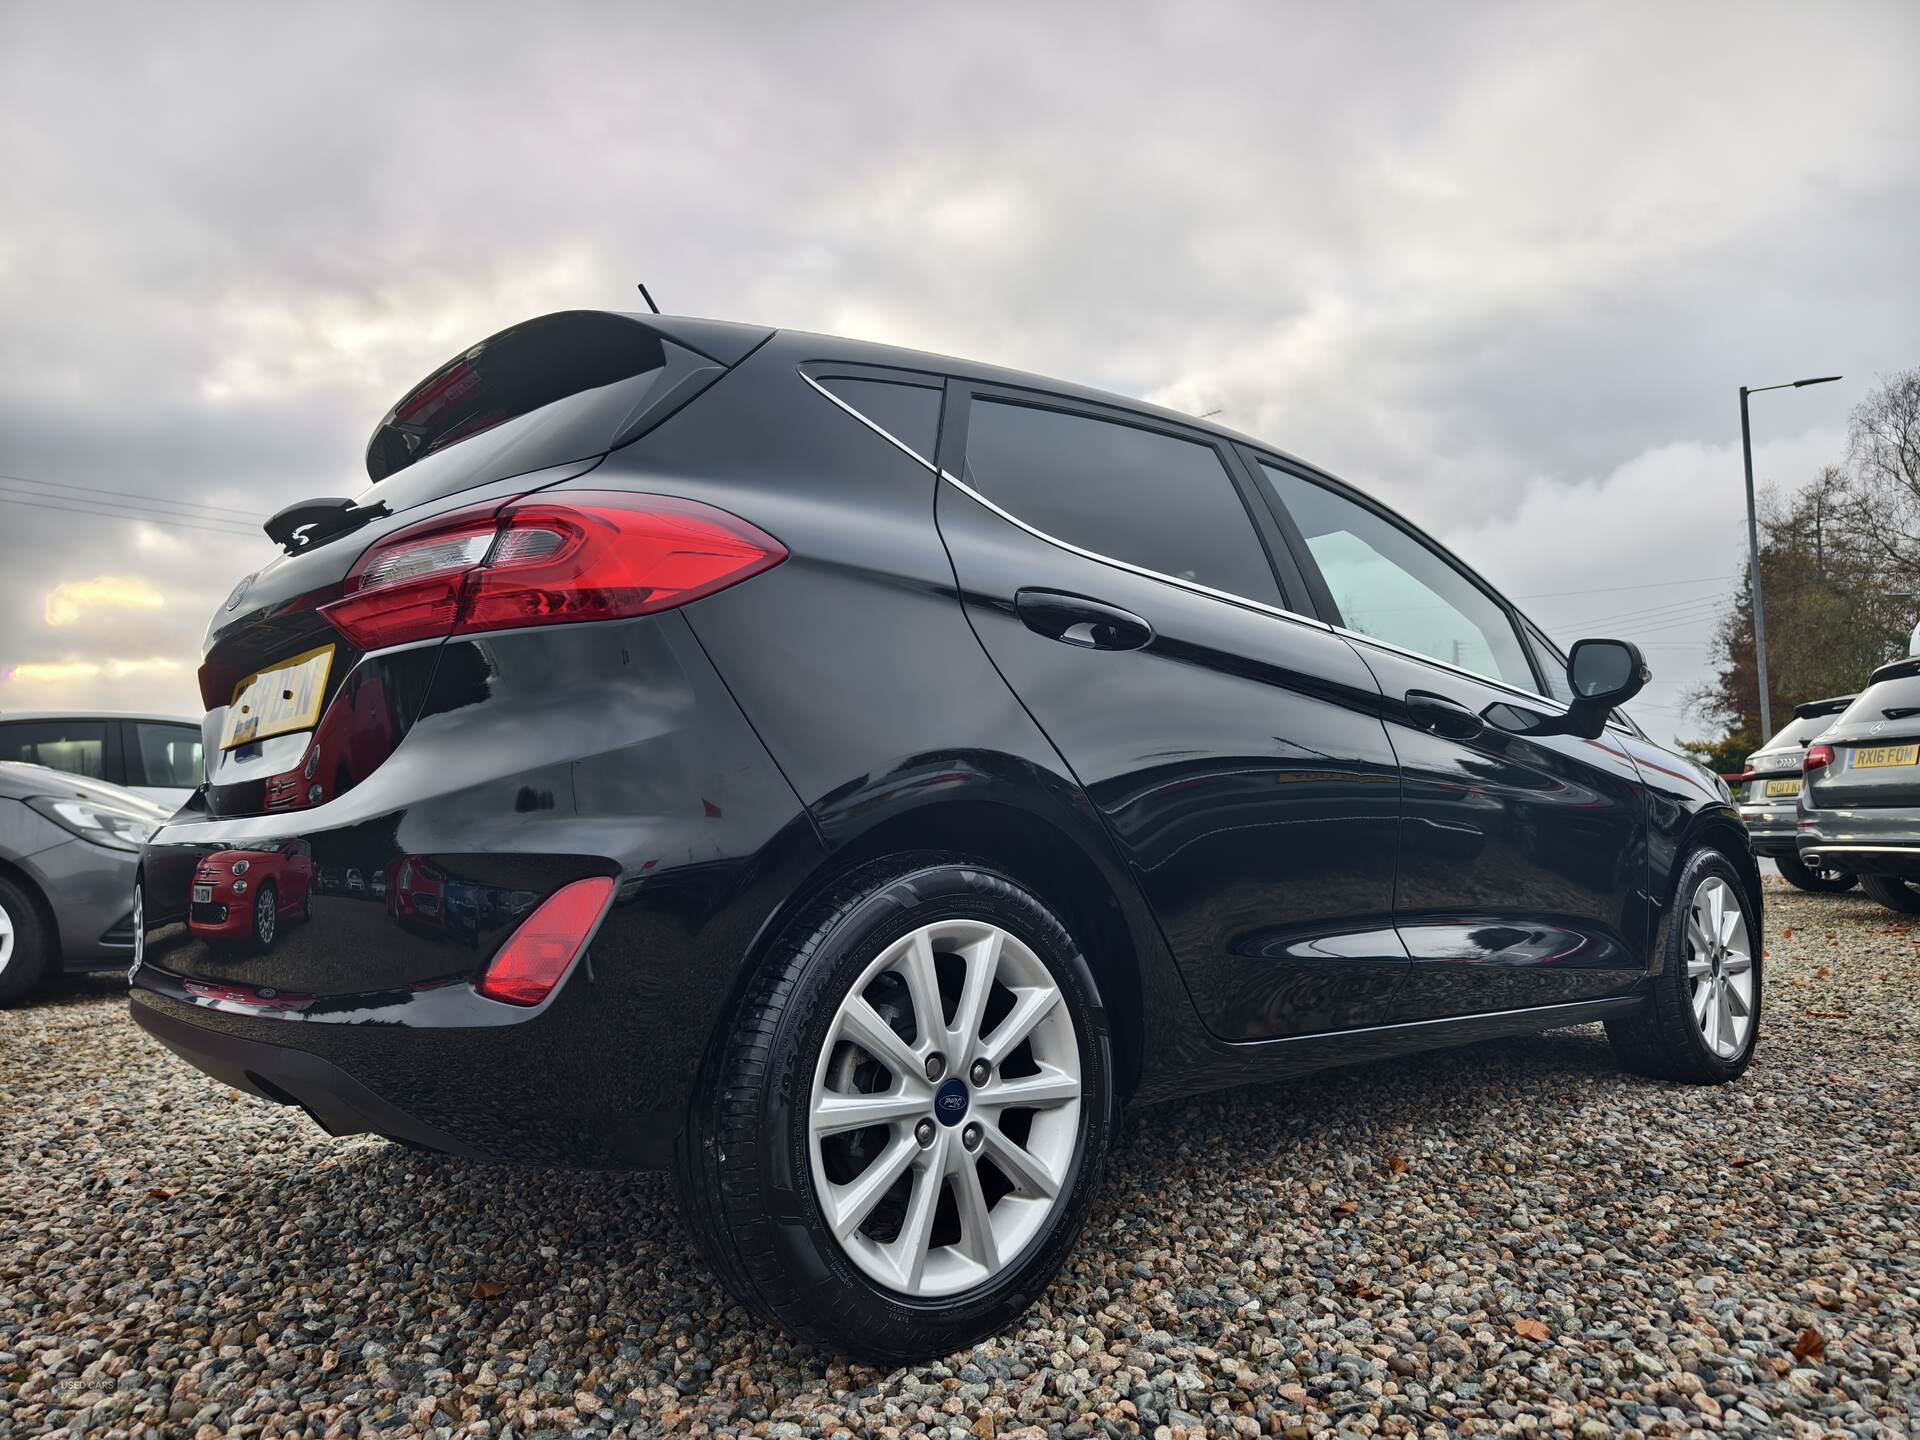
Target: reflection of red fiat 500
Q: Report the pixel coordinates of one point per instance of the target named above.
(245, 895)
(416, 893)
(352, 738)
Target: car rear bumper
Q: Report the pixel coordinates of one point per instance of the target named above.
(1773, 829)
(593, 750)
(1864, 841)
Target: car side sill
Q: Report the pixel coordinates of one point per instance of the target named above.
(1249, 1061)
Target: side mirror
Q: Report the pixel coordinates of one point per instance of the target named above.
(1606, 673)
(1602, 673)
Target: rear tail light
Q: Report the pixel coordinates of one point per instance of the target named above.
(593, 556)
(537, 954)
(1818, 757)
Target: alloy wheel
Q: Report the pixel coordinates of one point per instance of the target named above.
(6, 939)
(1720, 967)
(265, 916)
(945, 1108)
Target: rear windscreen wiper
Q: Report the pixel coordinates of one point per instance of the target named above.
(307, 523)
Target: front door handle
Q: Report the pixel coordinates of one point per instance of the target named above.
(1443, 716)
(1076, 620)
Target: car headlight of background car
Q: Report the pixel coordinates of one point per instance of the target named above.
(108, 825)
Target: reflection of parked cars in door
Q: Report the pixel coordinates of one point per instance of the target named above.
(1768, 792)
(248, 895)
(155, 756)
(69, 848)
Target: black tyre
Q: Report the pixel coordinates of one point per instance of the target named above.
(1822, 881)
(1893, 892)
(880, 1178)
(1702, 1022)
(26, 943)
(266, 918)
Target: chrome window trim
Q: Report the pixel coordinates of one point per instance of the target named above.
(1549, 702)
(1193, 586)
(886, 435)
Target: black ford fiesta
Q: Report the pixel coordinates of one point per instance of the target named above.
(849, 776)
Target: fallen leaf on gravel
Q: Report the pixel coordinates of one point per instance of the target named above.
(1531, 1330)
(1397, 1164)
(1347, 1207)
(488, 1289)
(1739, 1160)
(1787, 934)
(1810, 1346)
(1824, 973)
(159, 1194)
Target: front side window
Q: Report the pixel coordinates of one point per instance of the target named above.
(79, 747)
(1388, 585)
(169, 754)
(1153, 500)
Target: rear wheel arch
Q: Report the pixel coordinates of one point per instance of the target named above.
(1028, 847)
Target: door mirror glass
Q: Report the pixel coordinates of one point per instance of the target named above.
(1607, 672)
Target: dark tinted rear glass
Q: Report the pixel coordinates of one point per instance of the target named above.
(78, 747)
(1799, 732)
(909, 413)
(1150, 499)
(1886, 700)
(507, 375)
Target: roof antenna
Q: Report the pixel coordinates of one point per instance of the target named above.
(649, 299)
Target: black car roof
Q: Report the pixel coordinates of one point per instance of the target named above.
(811, 345)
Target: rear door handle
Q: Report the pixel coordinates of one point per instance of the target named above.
(1076, 620)
(1443, 716)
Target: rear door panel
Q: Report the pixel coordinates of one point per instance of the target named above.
(1237, 758)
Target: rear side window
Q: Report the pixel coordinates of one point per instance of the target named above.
(1125, 493)
(169, 755)
(909, 413)
(79, 747)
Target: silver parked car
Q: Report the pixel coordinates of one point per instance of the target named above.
(1860, 805)
(69, 849)
(1768, 792)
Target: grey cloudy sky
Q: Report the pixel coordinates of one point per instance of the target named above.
(1504, 265)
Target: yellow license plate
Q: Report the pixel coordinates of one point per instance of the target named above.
(278, 701)
(1782, 787)
(1878, 757)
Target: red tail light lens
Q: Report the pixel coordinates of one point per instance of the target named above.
(537, 954)
(1818, 757)
(540, 561)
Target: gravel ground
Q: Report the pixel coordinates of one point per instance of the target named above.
(1507, 1239)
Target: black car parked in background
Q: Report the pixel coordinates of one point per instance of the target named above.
(908, 763)
(1768, 792)
(1859, 805)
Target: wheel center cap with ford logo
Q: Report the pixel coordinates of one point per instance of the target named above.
(950, 1103)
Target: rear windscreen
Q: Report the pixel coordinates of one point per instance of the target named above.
(1897, 699)
(519, 370)
(1799, 732)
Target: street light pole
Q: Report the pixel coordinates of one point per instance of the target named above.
(1753, 549)
(1753, 562)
